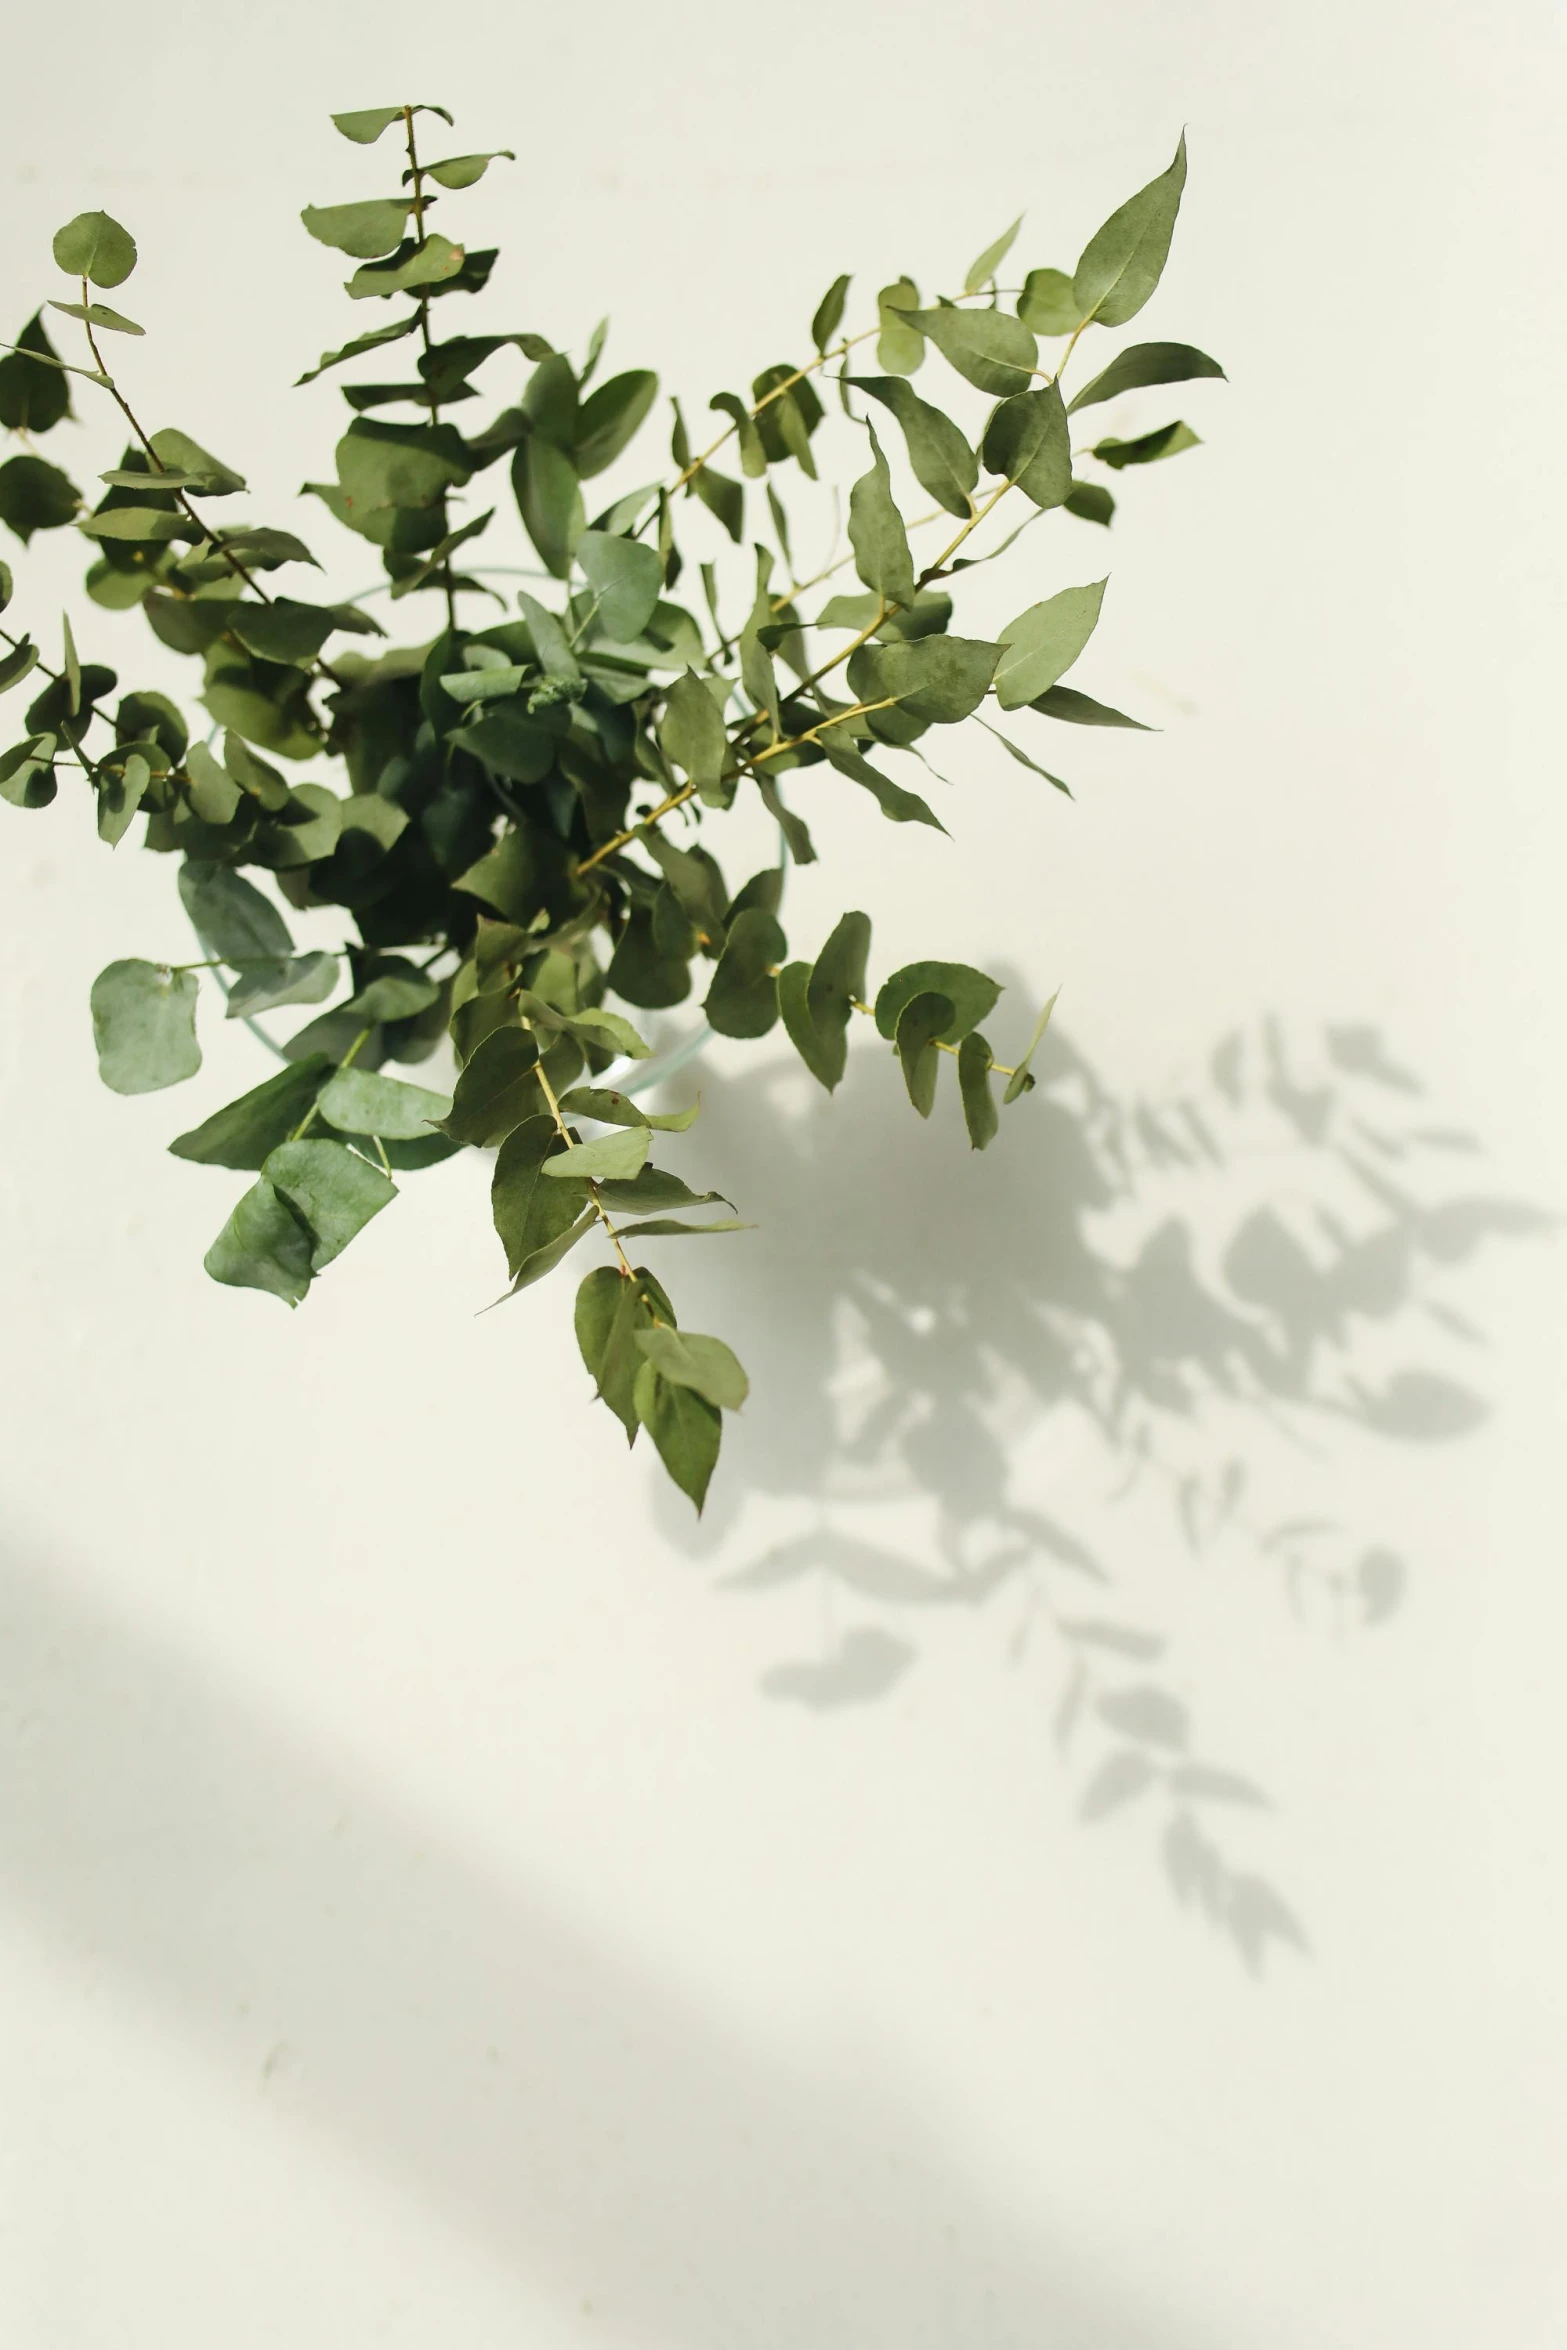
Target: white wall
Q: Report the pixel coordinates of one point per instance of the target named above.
(445, 1896)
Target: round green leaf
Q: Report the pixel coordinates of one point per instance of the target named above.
(144, 1025)
(95, 245)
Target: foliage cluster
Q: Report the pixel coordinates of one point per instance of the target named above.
(523, 838)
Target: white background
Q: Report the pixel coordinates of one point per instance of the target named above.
(447, 1898)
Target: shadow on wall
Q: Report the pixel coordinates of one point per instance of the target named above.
(600, 2129)
(1188, 1312)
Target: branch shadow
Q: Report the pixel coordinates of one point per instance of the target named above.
(1189, 1301)
(601, 2128)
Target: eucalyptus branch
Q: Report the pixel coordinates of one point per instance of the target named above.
(486, 779)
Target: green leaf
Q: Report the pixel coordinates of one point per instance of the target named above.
(100, 315)
(939, 678)
(402, 465)
(364, 231)
(1041, 644)
(33, 398)
(1047, 303)
(941, 460)
(753, 454)
(361, 343)
(95, 245)
(686, 1430)
(1021, 1081)
(549, 1253)
(1168, 441)
(1122, 262)
(396, 994)
(705, 1365)
(817, 1001)
(980, 1115)
(549, 499)
(723, 496)
(877, 533)
(971, 994)
(989, 348)
(244, 1132)
(120, 794)
(1144, 364)
(610, 417)
(214, 795)
(692, 734)
(365, 124)
(531, 1215)
(356, 1101)
(27, 777)
(626, 578)
(549, 639)
(205, 475)
(144, 1026)
(146, 523)
(900, 347)
(283, 630)
(263, 1246)
(435, 263)
(671, 1228)
(620, 1155)
(1091, 502)
(261, 549)
(1029, 440)
(1023, 759)
(920, 1022)
(898, 805)
(618, 1109)
(829, 313)
(1064, 701)
(463, 171)
(18, 663)
(35, 495)
(231, 917)
(306, 979)
(743, 997)
(331, 1190)
(982, 271)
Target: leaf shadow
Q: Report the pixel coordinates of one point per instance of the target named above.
(1188, 1290)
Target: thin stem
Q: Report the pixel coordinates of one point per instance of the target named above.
(548, 1092)
(181, 499)
(346, 1062)
(1000, 1068)
(416, 174)
(1070, 348)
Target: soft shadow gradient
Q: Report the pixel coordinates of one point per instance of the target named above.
(1207, 1296)
(587, 2117)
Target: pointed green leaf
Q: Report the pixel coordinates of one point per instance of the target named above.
(829, 313)
(691, 732)
(549, 499)
(877, 533)
(206, 476)
(244, 1132)
(35, 495)
(144, 1026)
(100, 315)
(940, 458)
(32, 398)
(671, 1228)
(939, 678)
(1023, 759)
(1123, 262)
(618, 1109)
(1043, 642)
(981, 271)
(1064, 701)
(686, 1431)
(1029, 440)
(1168, 441)
(1091, 502)
(529, 1214)
(1144, 364)
(896, 804)
(120, 794)
(366, 123)
(411, 266)
(497, 1089)
(464, 171)
(362, 343)
(1021, 1081)
(989, 348)
(610, 418)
